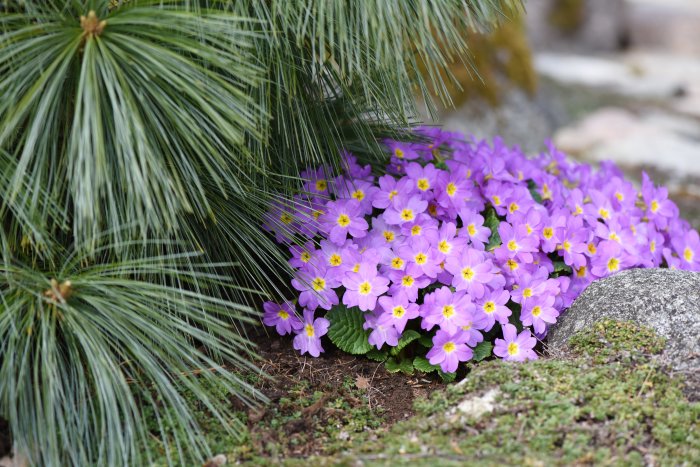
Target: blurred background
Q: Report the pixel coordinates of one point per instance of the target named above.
(604, 79)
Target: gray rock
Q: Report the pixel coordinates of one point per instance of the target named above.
(665, 300)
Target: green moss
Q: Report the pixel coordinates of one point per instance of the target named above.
(500, 59)
(610, 338)
(627, 411)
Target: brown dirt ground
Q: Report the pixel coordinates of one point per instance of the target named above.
(389, 394)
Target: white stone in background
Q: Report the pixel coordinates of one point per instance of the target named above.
(640, 74)
(669, 25)
(661, 140)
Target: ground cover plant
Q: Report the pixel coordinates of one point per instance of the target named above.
(461, 249)
(609, 400)
(609, 397)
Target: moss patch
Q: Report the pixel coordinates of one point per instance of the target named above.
(594, 408)
(609, 338)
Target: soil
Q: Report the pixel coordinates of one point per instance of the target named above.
(5, 439)
(347, 385)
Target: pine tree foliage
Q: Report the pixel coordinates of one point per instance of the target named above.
(140, 144)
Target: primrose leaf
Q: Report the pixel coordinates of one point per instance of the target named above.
(346, 330)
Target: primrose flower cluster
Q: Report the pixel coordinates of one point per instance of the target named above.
(465, 241)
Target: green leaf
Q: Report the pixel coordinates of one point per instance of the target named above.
(426, 340)
(377, 355)
(492, 221)
(482, 351)
(447, 377)
(532, 186)
(403, 365)
(422, 364)
(408, 336)
(561, 268)
(346, 330)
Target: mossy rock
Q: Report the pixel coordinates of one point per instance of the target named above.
(611, 338)
(665, 300)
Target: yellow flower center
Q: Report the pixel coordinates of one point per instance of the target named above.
(513, 349)
(528, 228)
(536, 311)
(548, 232)
(356, 267)
(489, 307)
(688, 255)
(343, 220)
(468, 274)
(444, 246)
(358, 195)
(527, 293)
(389, 236)
(335, 259)
(613, 264)
(286, 219)
(546, 192)
(398, 153)
(283, 314)
(398, 311)
(578, 210)
(620, 197)
(321, 185)
(496, 200)
(316, 214)
(423, 184)
(448, 311)
(604, 214)
(309, 330)
(416, 230)
(407, 281)
(407, 215)
(397, 263)
(513, 207)
(652, 246)
(512, 264)
(471, 228)
(451, 189)
(365, 288)
(392, 193)
(512, 245)
(449, 347)
(654, 206)
(566, 245)
(581, 272)
(319, 284)
(592, 248)
(421, 258)
(305, 257)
